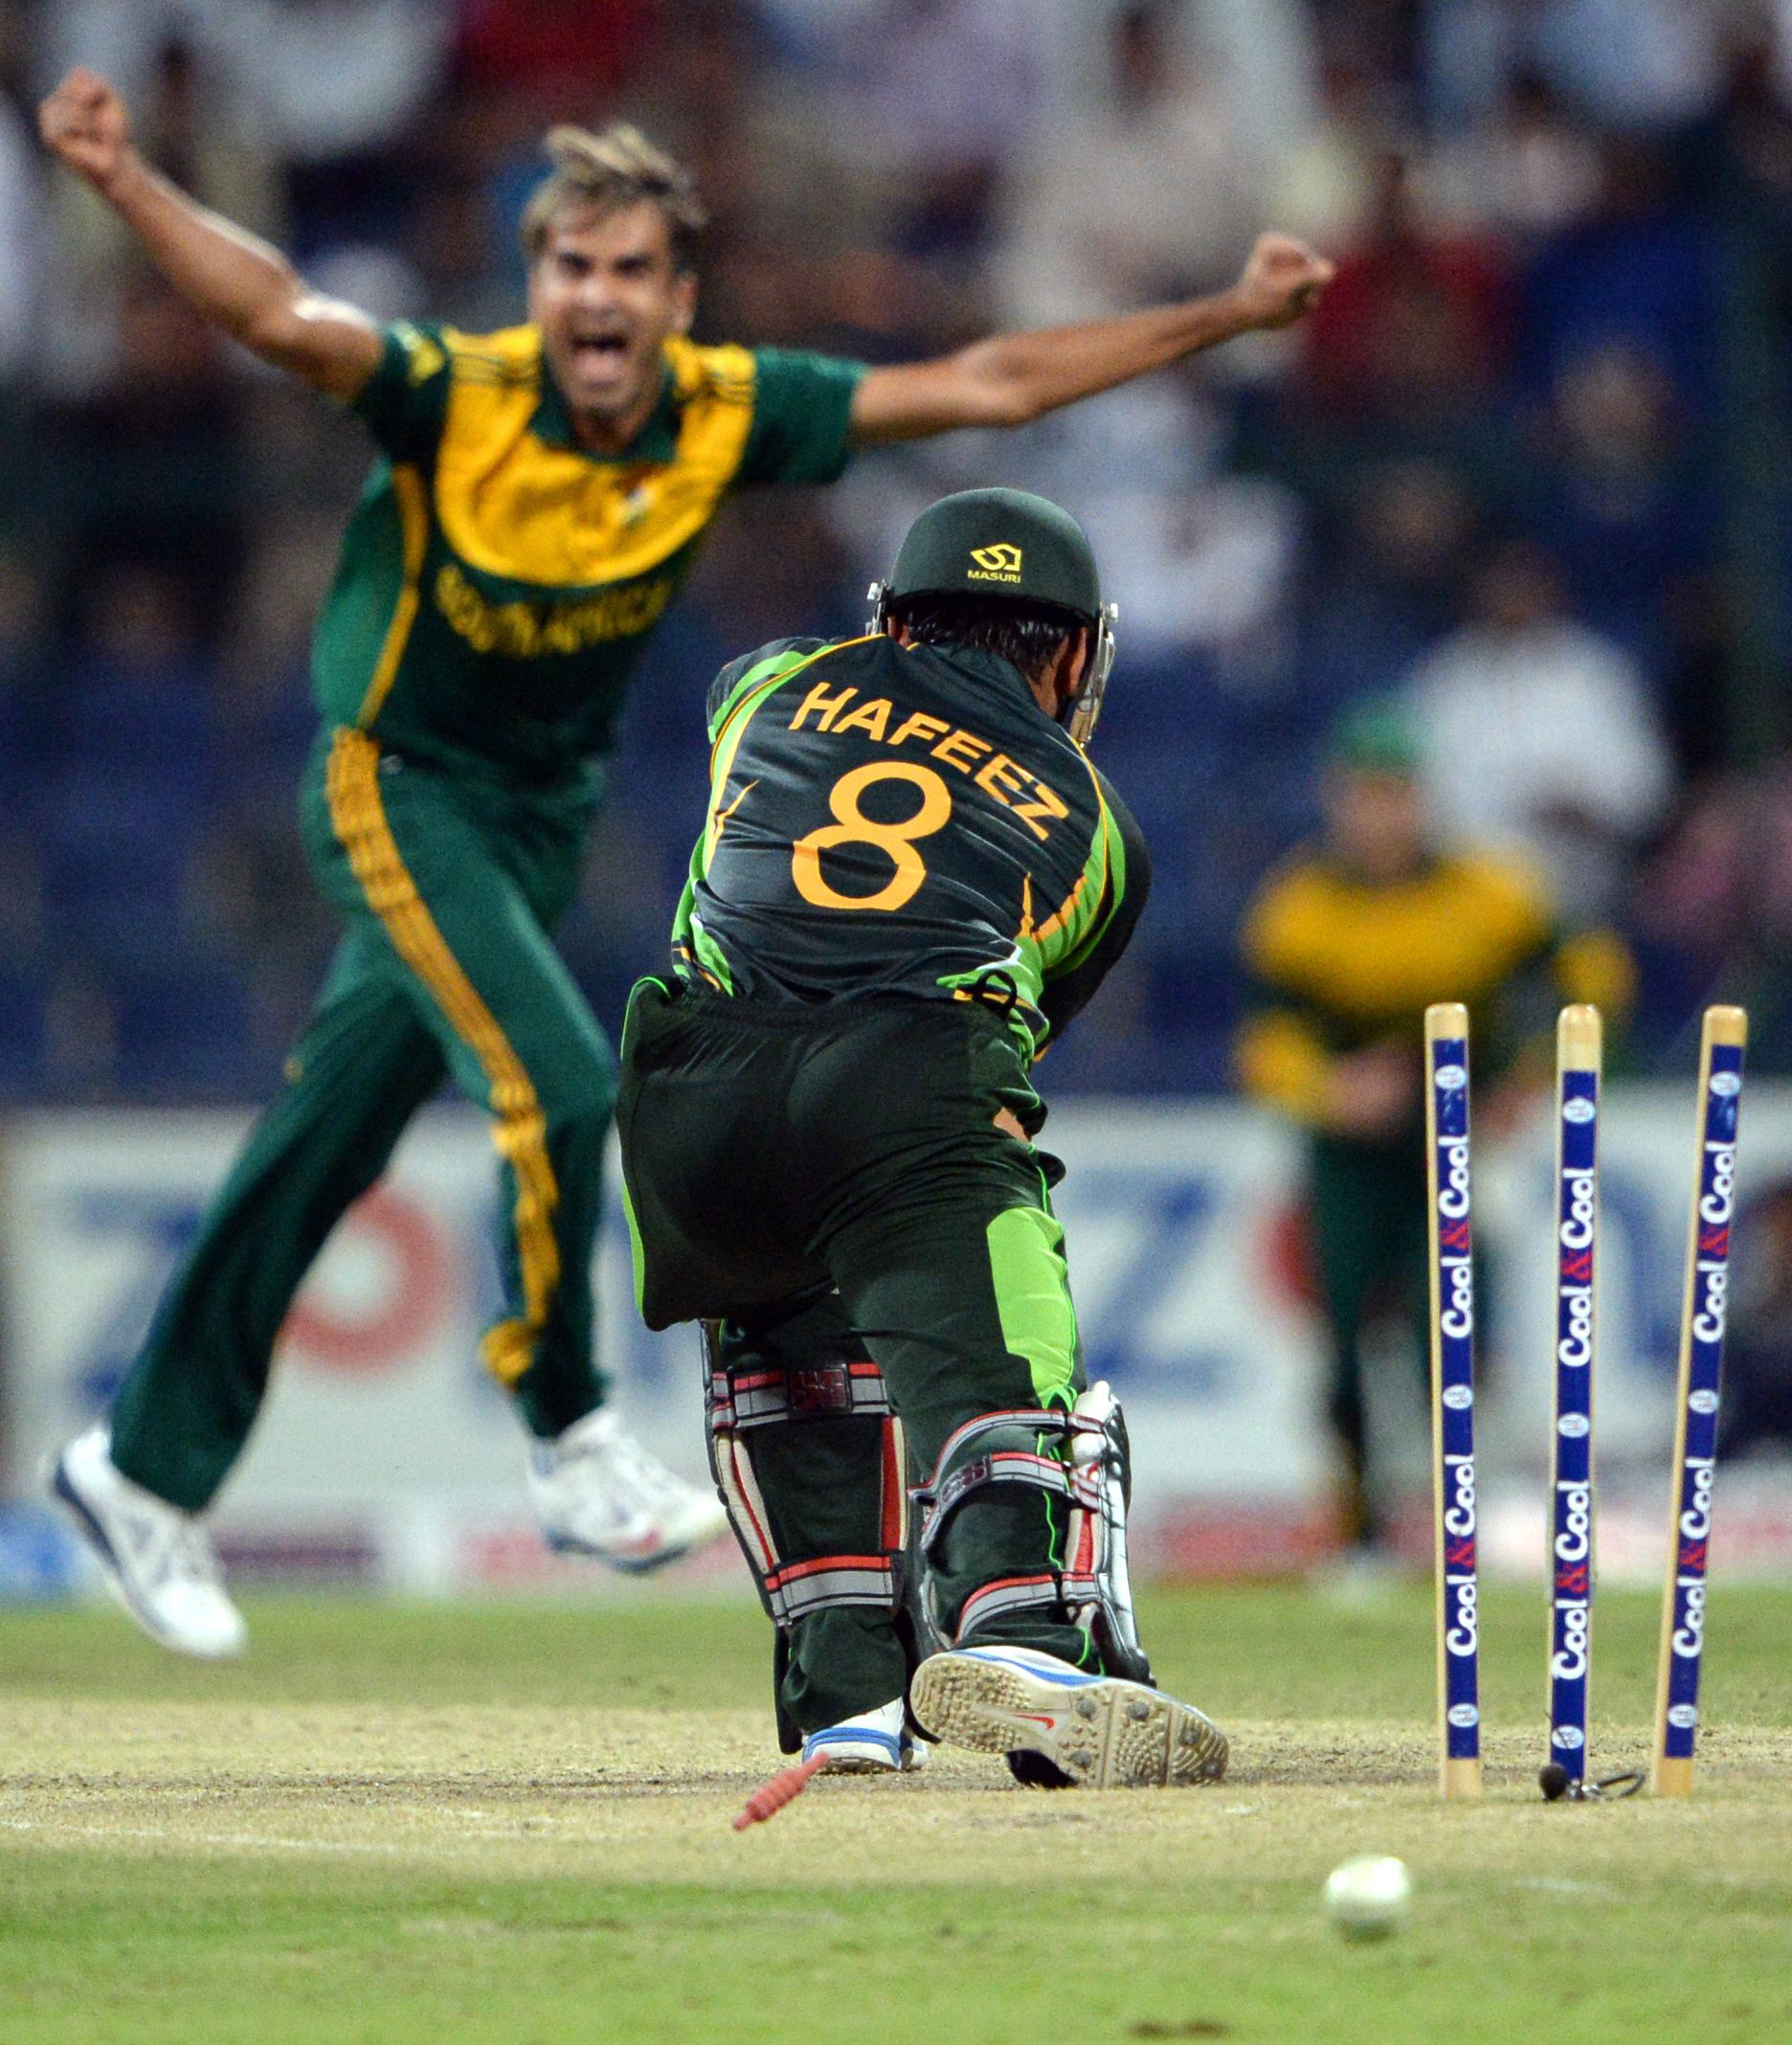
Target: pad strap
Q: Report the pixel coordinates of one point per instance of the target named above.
(757, 1395)
(1007, 1447)
(1006, 1595)
(794, 1592)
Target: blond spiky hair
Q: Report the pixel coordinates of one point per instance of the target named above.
(612, 168)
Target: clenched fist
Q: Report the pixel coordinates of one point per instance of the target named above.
(1282, 281)
(84, 122)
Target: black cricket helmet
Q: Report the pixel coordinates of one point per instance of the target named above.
(1012, 544)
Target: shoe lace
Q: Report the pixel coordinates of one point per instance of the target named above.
(199, 1558)
(631, 1470)
(182, 1551)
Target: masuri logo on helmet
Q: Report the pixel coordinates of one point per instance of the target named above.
(946, 552)
(1000, 563)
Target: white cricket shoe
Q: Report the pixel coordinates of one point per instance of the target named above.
(158, 1562)
(1098, 1732)
(600, 1493)
(874, 1743)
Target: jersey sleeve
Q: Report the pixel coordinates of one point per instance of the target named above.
(1068, 990)
(404, 403)
(1281, 1058)
(1282, 1054)
(748, 671)
(802, 417)
(1284, 925)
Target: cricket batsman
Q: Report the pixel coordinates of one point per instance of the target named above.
(538, 497)
(909, 880)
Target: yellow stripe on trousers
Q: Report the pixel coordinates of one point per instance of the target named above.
(358, 817)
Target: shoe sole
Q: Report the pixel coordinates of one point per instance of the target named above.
(92, 1530)
(637, 1565)
(628, 1564)
(871, 1757)
(1107, 1734)
(861, 1763)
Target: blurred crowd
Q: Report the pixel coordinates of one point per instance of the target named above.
(1527, 465)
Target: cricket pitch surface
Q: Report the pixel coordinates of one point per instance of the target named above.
(513, 1822)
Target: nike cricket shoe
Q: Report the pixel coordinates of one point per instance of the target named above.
(1061, 1727)
(874, 1742)
(157, 1561)
(600, 1493)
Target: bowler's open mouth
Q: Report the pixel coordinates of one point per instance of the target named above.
(600, 352)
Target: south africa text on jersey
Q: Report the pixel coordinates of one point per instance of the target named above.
(525, 631)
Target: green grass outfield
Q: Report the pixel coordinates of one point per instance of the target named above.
(512, 1823)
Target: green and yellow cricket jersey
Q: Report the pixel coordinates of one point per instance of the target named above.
(903, 820)
(1339, 962)
(497, 582)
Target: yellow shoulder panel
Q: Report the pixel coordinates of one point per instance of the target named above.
(512, 506)
(510, 355)
(1287, 922)
(1513, 893)
(723, 366)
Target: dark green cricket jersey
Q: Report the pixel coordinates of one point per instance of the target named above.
(891, 820)
(497, 582)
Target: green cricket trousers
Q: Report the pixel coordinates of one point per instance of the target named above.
(827, 1184)
(1368, 1206)
(449, 887)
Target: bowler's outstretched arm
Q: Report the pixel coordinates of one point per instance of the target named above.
(1013, 378)
(230, 277)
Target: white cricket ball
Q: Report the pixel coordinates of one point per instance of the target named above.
(1367, 1898)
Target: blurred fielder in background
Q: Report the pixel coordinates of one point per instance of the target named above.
(1345, 944)
(539, 498)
